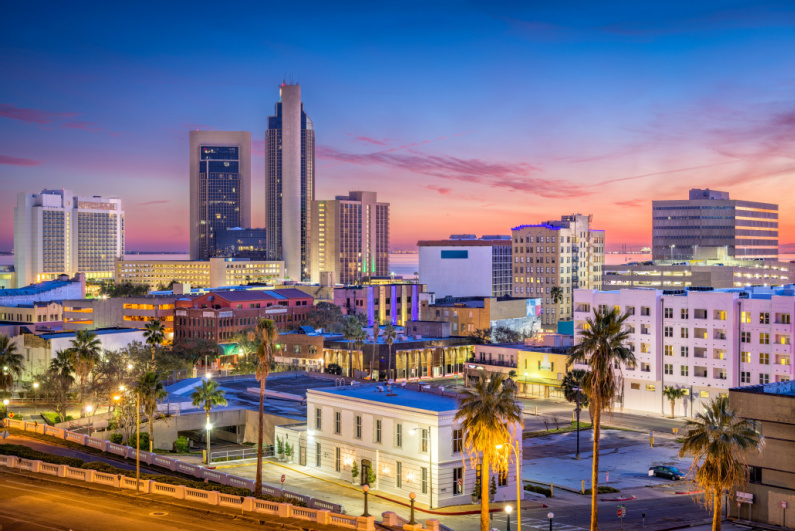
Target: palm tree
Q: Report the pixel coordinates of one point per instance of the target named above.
(155, 333)
(11, 362)
(602, 348)
(358, 344)
(62, 371)
(485, 411)
(718, 441)
(673, 394)
(556, 293)
(207, 396)
(390, 335)
(351, 329)
(376, 332)
(575, 378)
(151, 391)
(85, 352)
(268, 334)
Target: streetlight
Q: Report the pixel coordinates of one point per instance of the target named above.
(518, 485)
(508, 510)
(365, 488)
(129, 366)
(672, 252)
(209, 427)
(550, 515)
(5, 407)
(412, 496)
(89, 409)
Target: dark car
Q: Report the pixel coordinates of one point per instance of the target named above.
(669, 472)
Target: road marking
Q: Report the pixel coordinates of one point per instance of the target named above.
(29, 523)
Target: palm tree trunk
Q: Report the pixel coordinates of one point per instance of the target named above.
(672, 409)
(595, 471)
(151, 430)
(258, 482)
(484, 494)
(389, 364)
(716, 521)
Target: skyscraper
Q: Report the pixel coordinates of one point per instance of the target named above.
(350, 238)
(710, 225)
(56, 232)
(290, 183)
(220, 187)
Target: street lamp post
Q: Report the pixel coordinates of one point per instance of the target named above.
(366, 488)
(5, 407)
(508, 510)
(209, 427)
(672, 252)
(89, 410)
(577, 389)
(35, 391)
(550, 516)
(518, 486)
(412, 496)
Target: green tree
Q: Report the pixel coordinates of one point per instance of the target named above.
(325, 315)
(123, 289)
(61, 379)
(207, 396)
(602, 348)
(334, 369)
(376, 333)
(481, 336)
(10, 362)
(575, 378)
(390, 335)
(154, 333)
(556, 294)
(355, 471)
(85, 352)
(673, 394)
(503, 334)
(719, 441)
(485, 412)
(151, 389)
(351, 330)
(268, 334)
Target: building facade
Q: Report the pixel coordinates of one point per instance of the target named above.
(667, 274)
(220, 187)
(290, 183)
(44, 314)
(396, 302)
(51, 290)
(568, 254)
(238, 242)
(350, 238)
(465, 266)
(120, 312)
(57, 232)
(702, 340)
(212, 273)
(711, 225)
(406, 438)
(468, 314)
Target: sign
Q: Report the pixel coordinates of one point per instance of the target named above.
(745, 497)
(783, 504)
(622, 511)
(4, 435)
(11, 415)
(282, 478)
(461, 484)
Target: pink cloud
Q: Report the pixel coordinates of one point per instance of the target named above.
(79, 124)
(632, 203)
(258, 146)
(33, 116)
(16, 161)
(368, 140)
(441, 189)
(147, 203)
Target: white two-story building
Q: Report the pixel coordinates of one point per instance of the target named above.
(407, 438)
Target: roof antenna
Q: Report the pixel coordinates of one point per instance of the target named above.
(298, 81)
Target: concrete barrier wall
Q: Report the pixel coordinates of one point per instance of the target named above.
(181, 492)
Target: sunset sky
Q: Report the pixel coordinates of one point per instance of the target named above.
(468, 117)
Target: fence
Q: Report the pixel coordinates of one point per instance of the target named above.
(181, 492)
(169, 463)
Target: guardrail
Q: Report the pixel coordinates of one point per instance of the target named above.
(238, 455)
(169, 463)
(181, 492)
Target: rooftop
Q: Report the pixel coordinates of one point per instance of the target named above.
(99, 332)
(35, 289)
(463, 243)
(777, 388)
(398, 396)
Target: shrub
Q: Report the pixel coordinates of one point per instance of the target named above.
(144, 441)
(53, 418)
(29, 453)
(116, 438)
(603, 490)
(538, 490)
(181, 445)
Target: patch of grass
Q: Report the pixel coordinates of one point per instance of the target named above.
(602, 490)
(543, 433)
(538, 490)
(53, 418)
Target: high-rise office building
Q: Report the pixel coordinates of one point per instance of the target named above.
(56, 232)
(290, 183)
(567, 254)
(240, 242)
(350, 238)
(220, 187)
(710, 225)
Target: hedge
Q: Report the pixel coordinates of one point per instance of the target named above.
(538, 490)
(603, 490)
(25, 452)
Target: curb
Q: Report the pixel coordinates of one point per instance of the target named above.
(690, 492)
(687, 526)
(617, 499)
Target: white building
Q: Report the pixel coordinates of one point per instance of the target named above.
(56, 232)
(702, 340)
(406, 437)
(465, 266)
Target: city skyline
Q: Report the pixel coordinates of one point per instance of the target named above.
(470, 120)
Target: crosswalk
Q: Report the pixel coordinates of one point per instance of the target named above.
(542, 524)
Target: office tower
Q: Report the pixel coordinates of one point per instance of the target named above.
(220, 187)
(290, 183)
(465, 266)
(56, 232)
(350, 238)
(240, 242)
(567, 254)
(710, 225)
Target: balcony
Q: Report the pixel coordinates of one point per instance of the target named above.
(495, 363)
(699, 352)
(700, 314)
(719, 374)
(719, 334)
(700, 372)
(700, 333)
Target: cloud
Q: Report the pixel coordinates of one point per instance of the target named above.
(258, 146)
(368, 140)
(33, 116)
(441, 189)
(85, 126)
(16, 161)
(632, 203)
(147, 203)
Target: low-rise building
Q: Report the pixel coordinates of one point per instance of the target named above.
(407, 439)
(49, 314)
(8, 278)
(667, 274)
(395, 302)
(467, 314)
(120, 312)
(769, 496)
(212, 273)
(301, 349)
(50, 290)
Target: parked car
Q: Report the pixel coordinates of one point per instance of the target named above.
(669, 472)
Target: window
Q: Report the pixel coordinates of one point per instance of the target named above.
(645, 311)
(783, 318)
(669, 368)
(424, 480)
(704, 394)
(754, 474)
(720, 315)
(378, 431)
(685, 332)
(669, 313)
(745, 317)
(684, 313)
(399, 435)
(398, 474)
(337, 422)
(669, 331)
(669, 350)
(338, 460)
(502, 478)
(764, 378)
(357, 432)
(745, 357)
(318, 455)
(745, 377)
(683, 370)
(764, 358)
(458, 473)
(650, 387)
(745, 337)
(635, 386)
(684, 351)
(458, 441)
(318, 419)
(423, 440)
(764, 338)
(764, 318)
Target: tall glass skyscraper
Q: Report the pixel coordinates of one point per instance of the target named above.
(290, 183)
(220, 187)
